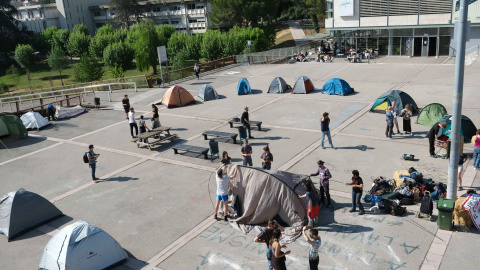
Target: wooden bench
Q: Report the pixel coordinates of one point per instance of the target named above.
(220, 134)
(191, 148)
(253, 123)
(150, 143)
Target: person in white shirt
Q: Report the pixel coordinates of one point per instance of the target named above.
(314, 242)
(132, 122)
(222, 189)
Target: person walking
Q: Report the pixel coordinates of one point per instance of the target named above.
(266, 158)
(325, 176)
(196, 68)
(407, 113)
(312, 207)
(246, 152)
(155, 118)
(476, 150)
(314, 241)
(432, 135)
(324, 126)
(92, 161)
(462, 159)
(132, 122)
(226, 159)
(126, 105)
(50, 112)
(395, 117)
(278, 256)
(222, 190)
(357, 189)
(265, 236)
(390, 119)
(246, 122)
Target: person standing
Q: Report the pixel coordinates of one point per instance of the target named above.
(92, 161)
(265, 236)
(226, 159)
(312, 208)
(461, 160)
(50, 112)
(155, 118)
(325, 176)
(314, 243)
(390, 119)
(126, 105)
(407, 113)
(132, 122)
(357, 189)
(222, 190)
(278, 256)
(246, 152)
(267, 158)
(476, 150)
(324, 126)
(196, 68)
(246, 122)
(395, 116)
(432, 135)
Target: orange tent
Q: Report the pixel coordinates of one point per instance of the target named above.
(177, 96)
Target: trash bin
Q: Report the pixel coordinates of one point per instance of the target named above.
(445, 214)
(213, 148)
(242, 132)
(97, 102)
(159, 81)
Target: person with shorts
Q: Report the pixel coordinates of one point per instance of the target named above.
(395, 117)
(461, 160)
(222, 190)
(126, 105)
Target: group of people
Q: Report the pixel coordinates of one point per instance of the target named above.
(302, 57)
(392, 119)
(357, 56)
(130, 113)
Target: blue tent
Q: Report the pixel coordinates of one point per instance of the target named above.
(243, 87)
(337, 86)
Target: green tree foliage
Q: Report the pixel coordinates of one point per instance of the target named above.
(14, 72)
(78, 44)
(164, 32)
(60, 38)
(118, 54)
(57, 60)
(180, 60)
(193, 47)
(116, 72)
(124, 9)
(211, 45)
(105, 30)
(99, 43)
(232, 44)
(8, 28)
(25, 57)
(45, 40)
(144, 40)
(243, 12)
(81, 28)
(88, 69)
(120, 35)
(176, 44)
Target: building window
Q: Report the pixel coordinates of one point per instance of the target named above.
(199, 6)
(173, 8)
(193, 20)
(98, 25)
(96, 13)
(191, 6)
(175, 22)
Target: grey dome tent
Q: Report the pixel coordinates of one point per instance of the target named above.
(303, 85)
(278, 86)
(81, 246)
(21, 211)
(33, 120)
(207, 93)
(401, 99)
(430, 114)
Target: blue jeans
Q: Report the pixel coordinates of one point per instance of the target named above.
(93, 166)
(328, 136)
(476, 157)
(356, 196)
(268, 252)
(435, 196)
(247, 161)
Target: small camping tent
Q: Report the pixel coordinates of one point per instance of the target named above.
(467, 129)
(81, 246)
(430, 114)
(207, 93)
(21, 211)
(303, 85)
(401, 99)
(177, 96)
(243, 87)
(278, 86)
(337, 86)
(33, 120)
(10, 124)
(263, 194)
(67, 112)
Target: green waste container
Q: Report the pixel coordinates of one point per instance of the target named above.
(242, 133)
(445, 214)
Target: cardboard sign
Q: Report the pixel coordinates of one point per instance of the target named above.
(475, 214)
(470, 201)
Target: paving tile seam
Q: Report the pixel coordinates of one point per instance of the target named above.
(31, 153)
(410, 77)
(333, 73)
(433, 260)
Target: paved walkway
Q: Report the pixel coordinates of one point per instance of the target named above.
(297, 32)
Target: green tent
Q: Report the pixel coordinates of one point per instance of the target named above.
(430, 114)
(467, 128)
(401, 99)
(10, 124)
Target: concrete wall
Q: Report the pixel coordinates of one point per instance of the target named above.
(74, 12)
(474, 41)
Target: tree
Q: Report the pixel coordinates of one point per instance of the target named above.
(88, 69)
(118, 54)
(124, 9)
(144, 41)
(8, 26)
(120, 35)
(316, 11)
(25, 57)
(99, 43)
(164, 32)
(180, 60)
(60, 38)
(78, 44)
(176, 43)
(14, 73)
(116, 72)
(57, 60)
(243, 12)
(106, 29)
(211, 45)
(81, 28)
(193, 47)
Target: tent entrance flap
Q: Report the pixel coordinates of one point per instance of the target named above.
(382, 106)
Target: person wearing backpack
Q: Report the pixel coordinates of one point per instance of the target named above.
(92, 161)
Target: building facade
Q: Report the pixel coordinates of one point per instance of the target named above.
(37, 18)
(398, 27)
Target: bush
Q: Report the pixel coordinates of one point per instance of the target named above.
(78, 44)
(118, 54)
(98, 45)
(88, 69)
(116, 72)
(3, 88)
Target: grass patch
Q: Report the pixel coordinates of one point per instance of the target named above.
(284, 37)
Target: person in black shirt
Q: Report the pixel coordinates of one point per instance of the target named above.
(246, 152)
(246, 122)
(266, 236)
(126, 105)
(226, 159)
(357, 189)
(432, 136)
(324, 125)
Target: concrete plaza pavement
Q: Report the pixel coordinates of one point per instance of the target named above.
(158, 205)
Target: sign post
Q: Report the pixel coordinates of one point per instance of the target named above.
(162, 57)
(249, 43)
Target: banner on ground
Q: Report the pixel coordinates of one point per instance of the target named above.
(470, 201)
(475, 214)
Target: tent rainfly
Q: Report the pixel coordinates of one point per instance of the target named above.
(259, 195)
(303, 85)
(467, 129)
(81, 246)
(33, 120)
(64, 112)
(430, 114)
(10, 124)
(207, 93)
(337, 86)
(177, 96)
(243, 87)
(21, 211)
(401, 99)
(278, 86)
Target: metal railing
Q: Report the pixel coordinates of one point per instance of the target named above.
(279, 53)
(467, 51)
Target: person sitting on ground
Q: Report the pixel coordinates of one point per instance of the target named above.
(226, 159)
(222, 190)
(314, 243)
(439, 190)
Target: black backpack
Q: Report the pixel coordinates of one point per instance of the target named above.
(393, 208)
(85, 157)
(426, 204)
